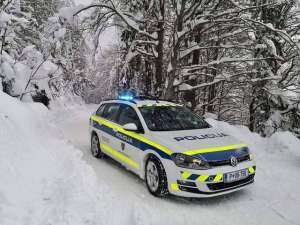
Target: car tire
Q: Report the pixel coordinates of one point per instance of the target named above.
(155, 177)
(95, 146)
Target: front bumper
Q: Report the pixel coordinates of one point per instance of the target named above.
(206, 183)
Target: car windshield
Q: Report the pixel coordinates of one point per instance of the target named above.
(170, 118)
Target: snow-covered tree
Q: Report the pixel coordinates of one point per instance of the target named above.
(42, 53)
(274, 103)
(237, 59)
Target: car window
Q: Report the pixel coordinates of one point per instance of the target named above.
(171, 118)
(111, 111)
(99, 112)
(129, 115)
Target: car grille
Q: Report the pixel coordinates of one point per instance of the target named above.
(215, 187)
(221, 186)
(227, 161)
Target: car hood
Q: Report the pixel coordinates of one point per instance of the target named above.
(187, 140)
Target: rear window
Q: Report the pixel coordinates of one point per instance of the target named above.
(99, 112)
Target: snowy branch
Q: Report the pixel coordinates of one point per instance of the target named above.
(129, 22)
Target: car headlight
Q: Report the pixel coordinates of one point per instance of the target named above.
(189, 162)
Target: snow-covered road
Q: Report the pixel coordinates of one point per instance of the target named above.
(274, 198)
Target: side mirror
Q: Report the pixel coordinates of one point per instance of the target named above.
(130, 127)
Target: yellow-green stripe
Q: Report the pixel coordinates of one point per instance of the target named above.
(214, 149)
(119, 156)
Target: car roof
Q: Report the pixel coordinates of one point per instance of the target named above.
(155, 103)
(140, 103)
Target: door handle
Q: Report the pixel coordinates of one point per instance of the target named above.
(122, 146)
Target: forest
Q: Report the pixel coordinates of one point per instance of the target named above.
(233, 60)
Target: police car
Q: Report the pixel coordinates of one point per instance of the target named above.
(172, 149)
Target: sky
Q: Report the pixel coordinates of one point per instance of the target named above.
(109, 37)
(84, 2)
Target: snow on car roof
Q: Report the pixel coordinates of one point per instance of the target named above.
(144, 102)
(141, 103)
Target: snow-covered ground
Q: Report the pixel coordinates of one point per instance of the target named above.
(43, 179)
(48, 176)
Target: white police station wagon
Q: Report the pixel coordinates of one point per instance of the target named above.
(172, 149)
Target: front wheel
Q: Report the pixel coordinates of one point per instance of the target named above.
(155, 176)
(95, 146)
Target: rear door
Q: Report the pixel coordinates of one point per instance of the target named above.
(96, 125)
(107, 137)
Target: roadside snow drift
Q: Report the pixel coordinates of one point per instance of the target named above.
(43, 179)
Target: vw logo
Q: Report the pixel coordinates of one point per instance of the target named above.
(233, 161)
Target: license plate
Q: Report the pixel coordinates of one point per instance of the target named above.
(235, 176)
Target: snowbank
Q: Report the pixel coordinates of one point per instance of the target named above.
(43, 178)
(280, 142)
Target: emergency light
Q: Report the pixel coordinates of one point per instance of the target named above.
(127, 95)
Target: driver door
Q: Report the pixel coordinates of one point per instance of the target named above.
(126, 144)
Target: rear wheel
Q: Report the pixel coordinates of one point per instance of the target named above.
(95, 146)
(155, 177)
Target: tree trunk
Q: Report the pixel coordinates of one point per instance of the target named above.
(190, 96)
(252, 115)
(159, 59)
(3, 41)
(159, 69)
(212, 89)
(169, 92)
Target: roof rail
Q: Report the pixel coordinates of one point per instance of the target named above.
(115, 99)
(150, 97)
(167, 100)
(145, 97)
(109, 99)
(142, 97)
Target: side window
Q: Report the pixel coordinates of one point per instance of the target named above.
(129, 115)
(99, 112)
(111, 111)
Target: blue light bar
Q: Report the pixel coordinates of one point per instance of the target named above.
(126, 97)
